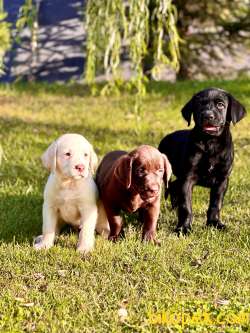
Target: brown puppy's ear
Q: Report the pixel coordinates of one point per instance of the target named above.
(49, 157)
(187, 111)
(93, 160)
(167, 170)
(236, 111)
(123, 170)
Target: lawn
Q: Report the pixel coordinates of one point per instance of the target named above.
(198, 283)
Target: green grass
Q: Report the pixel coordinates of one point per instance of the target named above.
(60, 291)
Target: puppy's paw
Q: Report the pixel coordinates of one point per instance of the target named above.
(104, 234)
(149, 236)
(85, 248)
(216, 224)
(115, 238)
(157, 242)
(102, 231)
(153, 241)
(40, 243)
(184, 230)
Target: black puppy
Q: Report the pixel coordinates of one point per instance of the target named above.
(204, 155)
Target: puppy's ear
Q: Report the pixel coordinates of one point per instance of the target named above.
(167, 170)
(49, 157)
(123, 170)
(93, 160)
(187, 111)
(236, 111)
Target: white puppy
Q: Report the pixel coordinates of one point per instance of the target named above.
(70, 195)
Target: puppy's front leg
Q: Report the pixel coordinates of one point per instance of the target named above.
(216, 200)
(87, 234)
(149, 217)
(185, 215)
(50, 228)
(115, 223)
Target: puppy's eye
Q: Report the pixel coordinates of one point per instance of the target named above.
(160, 170)
(68, 154)
(220, 105)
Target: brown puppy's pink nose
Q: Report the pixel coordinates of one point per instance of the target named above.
(79, 167)
(154, 189)
(154, 192)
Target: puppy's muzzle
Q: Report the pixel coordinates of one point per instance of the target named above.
(80, 168)
(208, 116)
(150, 192)
(209, 122)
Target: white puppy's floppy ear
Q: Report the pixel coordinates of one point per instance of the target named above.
(93, 160)
(49, 157)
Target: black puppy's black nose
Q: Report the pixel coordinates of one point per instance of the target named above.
(209, 116)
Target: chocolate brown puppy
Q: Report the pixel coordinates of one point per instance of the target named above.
(132, 182)
(203, 155)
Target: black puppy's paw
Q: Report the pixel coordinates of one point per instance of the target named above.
(184, 230)
(216, 224)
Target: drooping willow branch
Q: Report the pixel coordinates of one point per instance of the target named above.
(28, 17)
(138, 28)
(106, 26)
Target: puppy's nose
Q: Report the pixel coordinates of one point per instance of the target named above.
(154, 192)
(154, 189)
(79, 167)
(209, 116)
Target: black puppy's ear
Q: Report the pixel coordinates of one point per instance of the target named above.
(187, 111)
(236, 111)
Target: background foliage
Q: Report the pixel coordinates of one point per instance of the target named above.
(5, 40)
(192, 37)
(118, 27)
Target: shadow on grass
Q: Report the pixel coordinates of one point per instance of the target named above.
(56, 89)
(164, 88)
(188, 88)
(21, 218)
